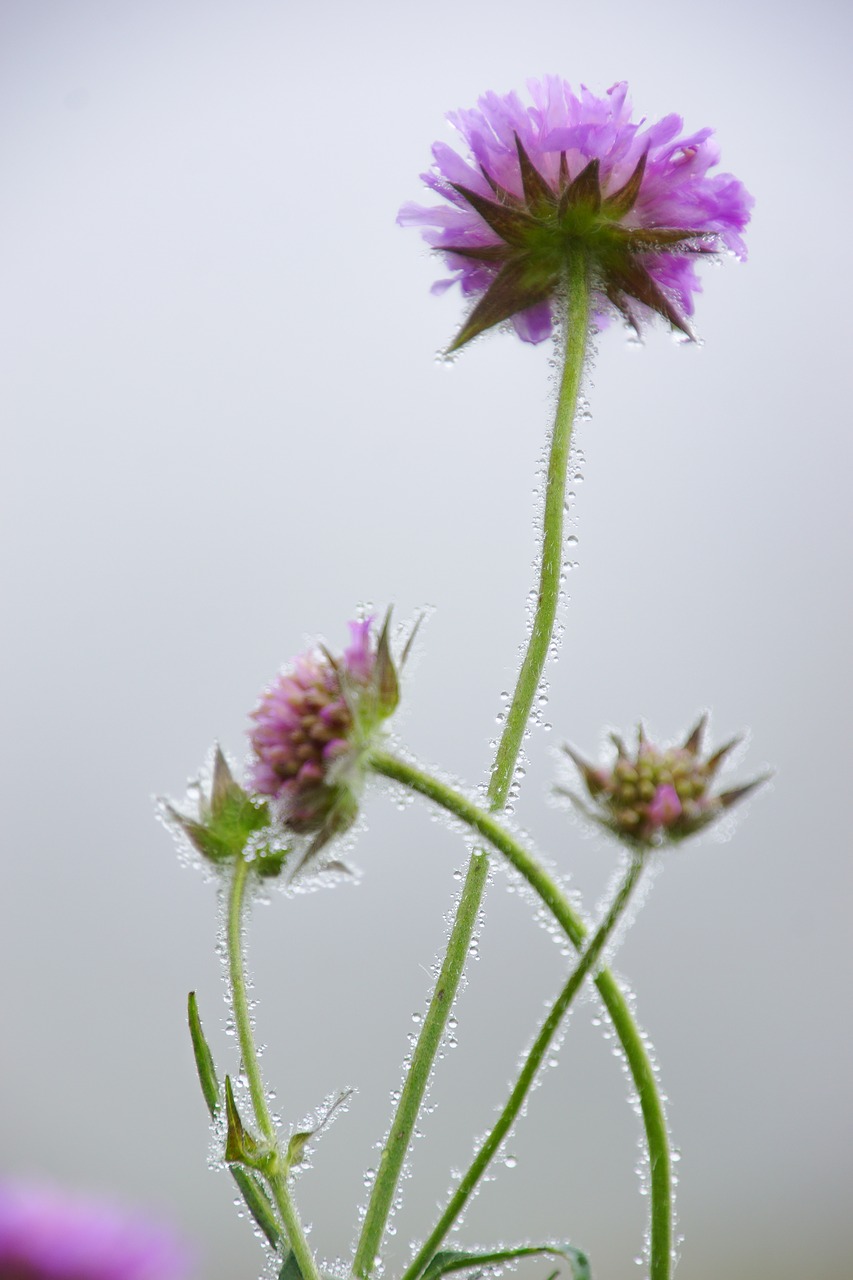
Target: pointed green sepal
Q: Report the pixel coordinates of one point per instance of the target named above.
(203, 1057)
(629, 276)
(407, 647)
(584, 192)
(511, 291)
(735, 794)
(240, 1146)
(496, 253)
(623, 200)
(385, 680)
(693, 742)
(537, 194)
(227, 819)
(714, 761)
(512, 224)
(594, 779)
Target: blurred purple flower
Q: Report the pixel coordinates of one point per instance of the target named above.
(47, 1235)
(574, 169)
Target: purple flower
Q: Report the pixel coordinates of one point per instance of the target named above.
(314, 725)
(574, 172)
(45, 1235)
(657, 795)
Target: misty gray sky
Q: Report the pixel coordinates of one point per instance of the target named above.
(224, 428)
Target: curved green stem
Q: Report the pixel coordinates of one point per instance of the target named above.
(532, 1063)
(630, 1037)
(396, 1145)
(242, 1020)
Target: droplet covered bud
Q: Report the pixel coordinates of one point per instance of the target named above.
(657, 795)
(314, 726)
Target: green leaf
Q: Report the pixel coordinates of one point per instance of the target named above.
(290, 1269)
(203, 1057)
(458, 1260)
(258, 1204)
(296, 1148)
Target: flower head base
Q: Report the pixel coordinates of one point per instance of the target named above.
(574, 175)
(313, 729)
(48, 1236)
(657, 795)
(229, 820)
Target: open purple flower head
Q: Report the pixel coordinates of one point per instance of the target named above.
(632, 181)
(45, 1235)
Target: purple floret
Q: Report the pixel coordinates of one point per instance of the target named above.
(677, 190)
(45, 1235)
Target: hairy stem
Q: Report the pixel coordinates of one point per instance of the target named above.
(532, 1063)
(242, 1020)
(627, 1031)
(551, 558)
(423, 1057)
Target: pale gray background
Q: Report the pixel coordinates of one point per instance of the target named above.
(225, 427)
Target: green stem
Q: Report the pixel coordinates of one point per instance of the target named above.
(630, 1037)
(551, 560)
(243, 1022)
(396, 1145)
(520, 1090)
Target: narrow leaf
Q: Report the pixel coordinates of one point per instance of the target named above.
(258, 1204)
(203, 1057)
(296, 1147)
(290, 1269)
(450, 1260)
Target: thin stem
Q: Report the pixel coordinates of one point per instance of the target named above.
(396, 1145)
(394, 1151)
(522, 1086)
(551, 560)
(242, 1020)
(627, 1031)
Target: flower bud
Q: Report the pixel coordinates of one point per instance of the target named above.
(657, 795)
(314, 727)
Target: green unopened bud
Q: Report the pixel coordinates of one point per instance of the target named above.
(657, 795)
